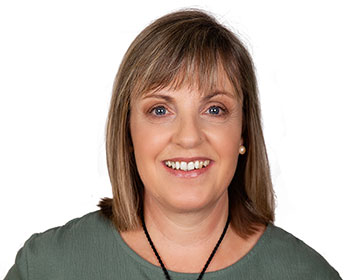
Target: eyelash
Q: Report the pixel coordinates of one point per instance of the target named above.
(223, 110)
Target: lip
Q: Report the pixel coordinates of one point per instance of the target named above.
(188, 174)
(187, 159)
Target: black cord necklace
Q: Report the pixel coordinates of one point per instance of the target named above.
(161, 262)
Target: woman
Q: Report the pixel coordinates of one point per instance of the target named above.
(192, 193)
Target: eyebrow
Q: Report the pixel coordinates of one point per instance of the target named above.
(207, 97)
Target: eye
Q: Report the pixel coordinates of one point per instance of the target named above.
(159, 111)
(216, 110)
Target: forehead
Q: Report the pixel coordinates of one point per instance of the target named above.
(217, 82)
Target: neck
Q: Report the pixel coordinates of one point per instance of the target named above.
(182, 237)
(186, 229)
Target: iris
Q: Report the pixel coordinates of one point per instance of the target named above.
(160, 110)
(215, 110)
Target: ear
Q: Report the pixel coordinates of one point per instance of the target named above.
(241, 141)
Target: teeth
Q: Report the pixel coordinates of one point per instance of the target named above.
(190, 165)
(177, 165)
(187, 166)
(196, 164)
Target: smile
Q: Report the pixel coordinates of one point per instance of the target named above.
(187, 166)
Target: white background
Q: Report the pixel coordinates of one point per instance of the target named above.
(57, 64)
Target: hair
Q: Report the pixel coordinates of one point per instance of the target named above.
(180, 48)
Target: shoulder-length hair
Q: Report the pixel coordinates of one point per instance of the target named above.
(179, 48)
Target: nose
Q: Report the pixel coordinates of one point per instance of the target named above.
(188, 132)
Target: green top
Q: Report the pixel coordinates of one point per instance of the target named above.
(90, 248)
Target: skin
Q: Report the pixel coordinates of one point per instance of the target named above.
(186, 215)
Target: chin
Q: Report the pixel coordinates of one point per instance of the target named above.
(189, 204)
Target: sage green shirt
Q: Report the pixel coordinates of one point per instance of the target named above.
(90, 248)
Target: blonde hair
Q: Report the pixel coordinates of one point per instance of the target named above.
(183, 47)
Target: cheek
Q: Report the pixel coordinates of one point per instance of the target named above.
(226, 141)
(148, 140)
(145, 137)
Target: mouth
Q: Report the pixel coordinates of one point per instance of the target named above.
(187, 168)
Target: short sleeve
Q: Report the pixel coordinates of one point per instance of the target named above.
(20, 270)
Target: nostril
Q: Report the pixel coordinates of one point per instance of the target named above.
(188, 133)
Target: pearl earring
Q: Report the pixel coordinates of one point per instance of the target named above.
(242, 150)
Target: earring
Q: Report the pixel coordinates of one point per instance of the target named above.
(242, 150)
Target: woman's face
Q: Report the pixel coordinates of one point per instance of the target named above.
(186, 144)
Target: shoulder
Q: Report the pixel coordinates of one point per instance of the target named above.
(78, 226)
(288, 244)
(294, 256)
(64, 248)
(88, 227)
